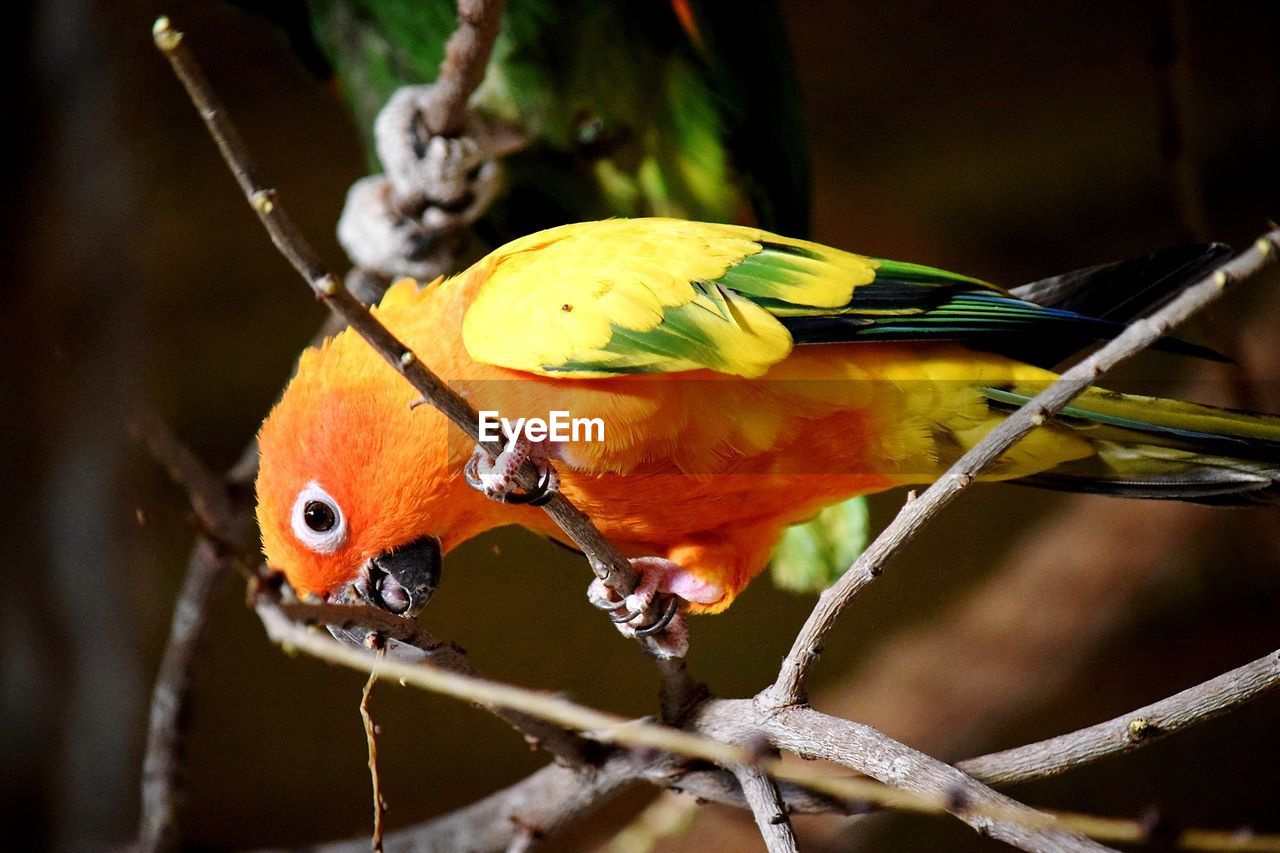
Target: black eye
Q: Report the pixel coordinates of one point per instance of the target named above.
(319, 516)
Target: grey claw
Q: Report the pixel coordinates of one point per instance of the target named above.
(668, 613)
(623, 618)
(481, 464)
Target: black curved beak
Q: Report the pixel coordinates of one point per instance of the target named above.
(399, 581)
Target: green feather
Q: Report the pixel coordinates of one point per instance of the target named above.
(625, 114)
(813, 555)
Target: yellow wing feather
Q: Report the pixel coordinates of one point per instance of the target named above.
(639, 295)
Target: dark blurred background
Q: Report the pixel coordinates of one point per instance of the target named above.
(1006, 140)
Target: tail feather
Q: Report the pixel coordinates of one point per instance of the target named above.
(1121, 291)
(1213, 480)
(1118, 292)
(1147, 447)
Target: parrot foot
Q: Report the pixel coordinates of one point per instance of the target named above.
(496, 478)
(404, 222)
(670, 586)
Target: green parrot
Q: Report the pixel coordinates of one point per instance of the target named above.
(683, 108)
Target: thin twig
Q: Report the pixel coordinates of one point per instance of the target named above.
(371, 737)
(1136, 729)
(767, 809)
(607, 563)
(790, 686)
(208, 493)
(466, 55)
(387, 624)
(549, 799)
(163, 763)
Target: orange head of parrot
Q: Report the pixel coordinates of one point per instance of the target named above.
(354, 498)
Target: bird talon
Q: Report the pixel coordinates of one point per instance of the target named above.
(624, 618)
(601, 597)
(667, 635)
(543, 491)
(496, 478)
(664, 619)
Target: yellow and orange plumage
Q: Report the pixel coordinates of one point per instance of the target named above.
(721, 429)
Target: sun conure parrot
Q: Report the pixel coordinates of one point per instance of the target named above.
(745, 381)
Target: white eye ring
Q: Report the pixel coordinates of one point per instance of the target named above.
(322, 541)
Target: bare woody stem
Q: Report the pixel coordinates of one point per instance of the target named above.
(790, 686)
(1125, 733)
(608, 727)
(466, 55)
(1136, 729)
(375, 778)
(163, 763)
(1054, 756)
(717, 727)
(605, 560)
(767, 808)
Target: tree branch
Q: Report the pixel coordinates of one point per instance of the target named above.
(554, 796)
(1134, 730)
(716, 726)
(790, 686)
(164, 761)
(375, 778)
(766, 807)
(466, 55)
(812, 734)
